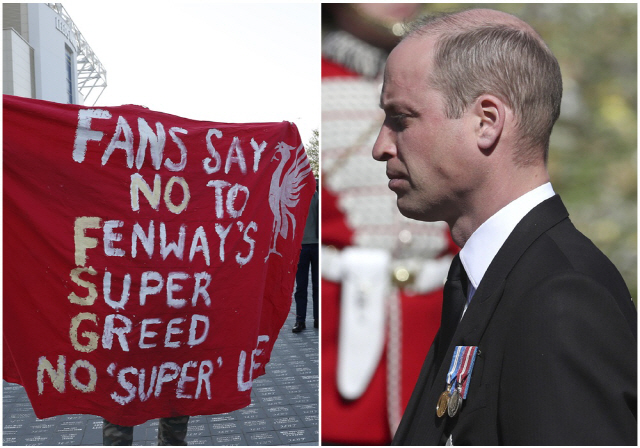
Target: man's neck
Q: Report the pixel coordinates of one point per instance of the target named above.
(485, 203)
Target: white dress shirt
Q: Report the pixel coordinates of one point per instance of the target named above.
(483, 245)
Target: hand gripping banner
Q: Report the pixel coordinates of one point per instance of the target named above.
(149, 260)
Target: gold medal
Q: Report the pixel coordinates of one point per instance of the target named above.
(454, 403)
(443, 402)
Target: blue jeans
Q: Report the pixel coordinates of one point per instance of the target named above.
(308, 256)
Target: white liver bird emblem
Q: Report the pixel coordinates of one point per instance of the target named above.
(284, 191)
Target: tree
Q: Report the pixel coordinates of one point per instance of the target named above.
(313, 152)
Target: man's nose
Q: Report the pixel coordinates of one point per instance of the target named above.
(384, 148)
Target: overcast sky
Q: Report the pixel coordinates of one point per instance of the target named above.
(233, 63)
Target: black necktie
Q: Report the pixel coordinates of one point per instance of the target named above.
(454, 299)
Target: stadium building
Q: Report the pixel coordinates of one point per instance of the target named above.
(45, 56)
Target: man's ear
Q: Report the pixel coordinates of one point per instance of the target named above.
(489, 115)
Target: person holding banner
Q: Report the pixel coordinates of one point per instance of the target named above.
(308, 258)
(537, 344)
(171, 432)
(146, 286)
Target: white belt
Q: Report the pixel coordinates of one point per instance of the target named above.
(365, 275)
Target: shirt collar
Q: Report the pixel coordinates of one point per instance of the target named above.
(483, 245)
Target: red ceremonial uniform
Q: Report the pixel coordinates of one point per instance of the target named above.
(359, 214)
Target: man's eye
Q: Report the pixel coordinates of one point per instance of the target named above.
(397, 122)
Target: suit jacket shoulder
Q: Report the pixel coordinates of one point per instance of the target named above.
(568, 370)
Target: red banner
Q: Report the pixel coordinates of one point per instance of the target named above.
(149, 260)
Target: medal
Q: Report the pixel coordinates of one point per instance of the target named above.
(454, 402)
(458, 379)
(443, 402)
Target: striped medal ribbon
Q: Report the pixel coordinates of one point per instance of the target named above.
(463, 377)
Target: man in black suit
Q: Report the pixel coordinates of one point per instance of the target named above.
(470, 100)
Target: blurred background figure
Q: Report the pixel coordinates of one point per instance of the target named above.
(382, 274)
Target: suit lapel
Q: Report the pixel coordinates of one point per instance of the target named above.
(538, 221)
(422, 425)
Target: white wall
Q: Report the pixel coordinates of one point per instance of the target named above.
(48, 35)
(16, 65)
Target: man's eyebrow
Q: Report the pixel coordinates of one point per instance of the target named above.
(387, 106)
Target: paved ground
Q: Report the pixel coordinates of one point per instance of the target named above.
(284, 409)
